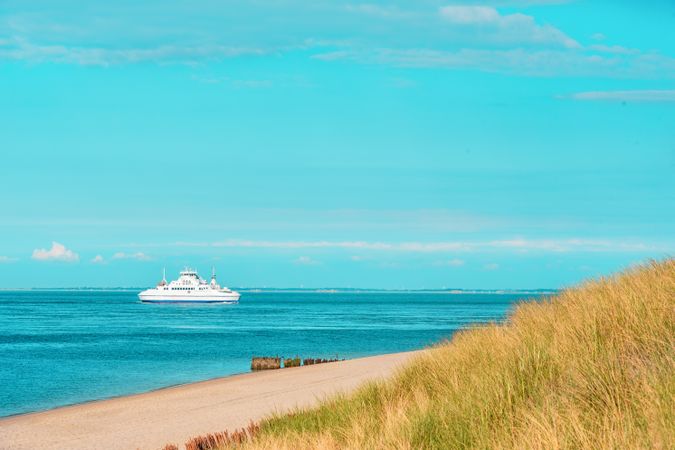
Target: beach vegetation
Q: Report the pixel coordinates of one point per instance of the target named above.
(591, 367)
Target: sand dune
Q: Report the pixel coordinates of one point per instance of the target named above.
(173, 415)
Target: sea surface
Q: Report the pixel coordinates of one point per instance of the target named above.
(65, 347)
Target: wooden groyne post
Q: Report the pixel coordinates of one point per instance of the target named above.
(275, 362)
(265, 363)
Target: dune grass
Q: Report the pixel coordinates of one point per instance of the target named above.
(591, 367)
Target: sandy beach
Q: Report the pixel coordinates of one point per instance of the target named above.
(150, 420)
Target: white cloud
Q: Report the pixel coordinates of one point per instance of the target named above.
(628, 96)
(98, 259)
(517, 61)
(517, 244)
(335, 56)
(6, 259)
(616, 49)
(506, 28)
(470, 14)
(476, 36)
(140, 256)
(306, 261)
(491, 266)
(22, 49)
(58, 252)
(456, 262)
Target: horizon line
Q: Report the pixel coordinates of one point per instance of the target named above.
(277, 289)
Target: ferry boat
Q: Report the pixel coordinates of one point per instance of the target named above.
(189, 288)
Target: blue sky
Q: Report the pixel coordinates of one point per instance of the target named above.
(405, 144)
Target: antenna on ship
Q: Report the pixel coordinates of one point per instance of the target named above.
(163, 282)
(214, 284)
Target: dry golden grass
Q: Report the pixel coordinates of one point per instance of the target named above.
(589, 368)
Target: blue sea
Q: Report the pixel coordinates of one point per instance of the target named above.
(65, 347)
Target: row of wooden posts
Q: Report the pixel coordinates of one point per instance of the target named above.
(275, 362)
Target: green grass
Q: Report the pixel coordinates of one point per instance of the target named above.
(591, 367)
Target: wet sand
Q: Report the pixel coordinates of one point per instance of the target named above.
(173, 415)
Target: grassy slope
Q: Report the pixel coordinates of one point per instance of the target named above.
(591, 367)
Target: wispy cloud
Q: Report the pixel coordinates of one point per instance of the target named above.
(58, 252)
(7, 259)
(306, 261)
(471, 14)
(455, 262)
(518, 245)
(491, 266)
(627, 96)
(140, 256)
(476, 35)
(23, 49)
(516, 61)
(98, 259)
(511, 28)
(616, 49)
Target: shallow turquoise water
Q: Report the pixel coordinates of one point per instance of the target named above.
(58, 348)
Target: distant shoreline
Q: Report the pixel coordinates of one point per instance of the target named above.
(177, 413)
(541, 291)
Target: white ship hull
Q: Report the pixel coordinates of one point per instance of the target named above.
(189, 288)
(166, 297)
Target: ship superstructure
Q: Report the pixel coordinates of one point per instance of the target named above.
(189, 288)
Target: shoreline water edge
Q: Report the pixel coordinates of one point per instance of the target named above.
(177, 413)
